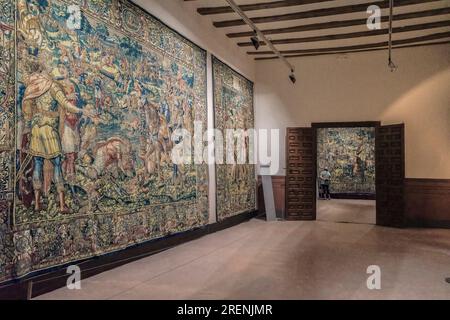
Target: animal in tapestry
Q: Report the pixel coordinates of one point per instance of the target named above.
(349, 154)
(101, 86)
(233, 107)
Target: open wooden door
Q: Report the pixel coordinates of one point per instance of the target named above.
(390, 175)
(300, 175)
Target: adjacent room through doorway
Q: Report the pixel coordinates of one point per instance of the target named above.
(345, 164)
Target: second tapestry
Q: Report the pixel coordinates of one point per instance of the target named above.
(233, 107)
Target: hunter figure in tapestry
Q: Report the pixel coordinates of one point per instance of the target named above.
(40, 136)
(101, 86)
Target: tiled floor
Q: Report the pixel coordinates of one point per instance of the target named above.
(284, 260)
(343, 210)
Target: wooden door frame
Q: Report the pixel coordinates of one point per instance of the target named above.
(351, 124)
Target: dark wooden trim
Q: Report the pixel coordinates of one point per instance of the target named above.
(351, 124)
(355, 196)
(434, 36)
(426, 181)
(319, 12)
(53, 278)
(303, 212)
(351, 35)
(286, 165)
(314, 127)
(427, 203)
(395, 218)
(353, 51)
(342, 23)
(427, 223)
(257, 6)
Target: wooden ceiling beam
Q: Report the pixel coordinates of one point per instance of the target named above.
(415, 27)
(343, 23)
(359, 8)
(430, 37)
(257, 6)
(354, 51)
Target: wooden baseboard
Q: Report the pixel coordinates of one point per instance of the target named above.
(427, 223)
(354, 196)
(51, 279)
(427, 203)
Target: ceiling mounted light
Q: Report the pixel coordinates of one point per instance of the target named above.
(258, 34)
(255, 41)
(392, 65)
(292, 77)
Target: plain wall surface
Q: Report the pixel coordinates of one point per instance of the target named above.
(360, 87)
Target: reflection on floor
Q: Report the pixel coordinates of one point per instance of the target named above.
(355, 211)
(285, 260)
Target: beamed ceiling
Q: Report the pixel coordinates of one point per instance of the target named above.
(318, 27)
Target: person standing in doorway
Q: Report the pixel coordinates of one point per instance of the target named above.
(325, 178)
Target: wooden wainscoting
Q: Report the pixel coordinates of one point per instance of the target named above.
(427, 203)
(279, 189)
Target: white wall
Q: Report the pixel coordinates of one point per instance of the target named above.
(360, 87)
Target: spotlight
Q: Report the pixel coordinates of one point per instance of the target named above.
(392, 66)
(255, 41)
(292, 77)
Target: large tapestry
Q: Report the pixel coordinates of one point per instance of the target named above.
(349, 154)
(233, 107)
(86, 131)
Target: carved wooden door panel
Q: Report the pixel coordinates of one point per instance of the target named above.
(300, 175)
(390, 175)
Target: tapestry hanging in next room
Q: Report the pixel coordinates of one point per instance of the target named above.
(233, 109)
(349, 154)
(86, 131)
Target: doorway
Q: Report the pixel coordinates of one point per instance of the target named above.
(345, 171)
(301, 171)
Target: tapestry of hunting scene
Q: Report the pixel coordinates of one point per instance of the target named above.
(233, 110)
(349, 154)
(90, 94)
